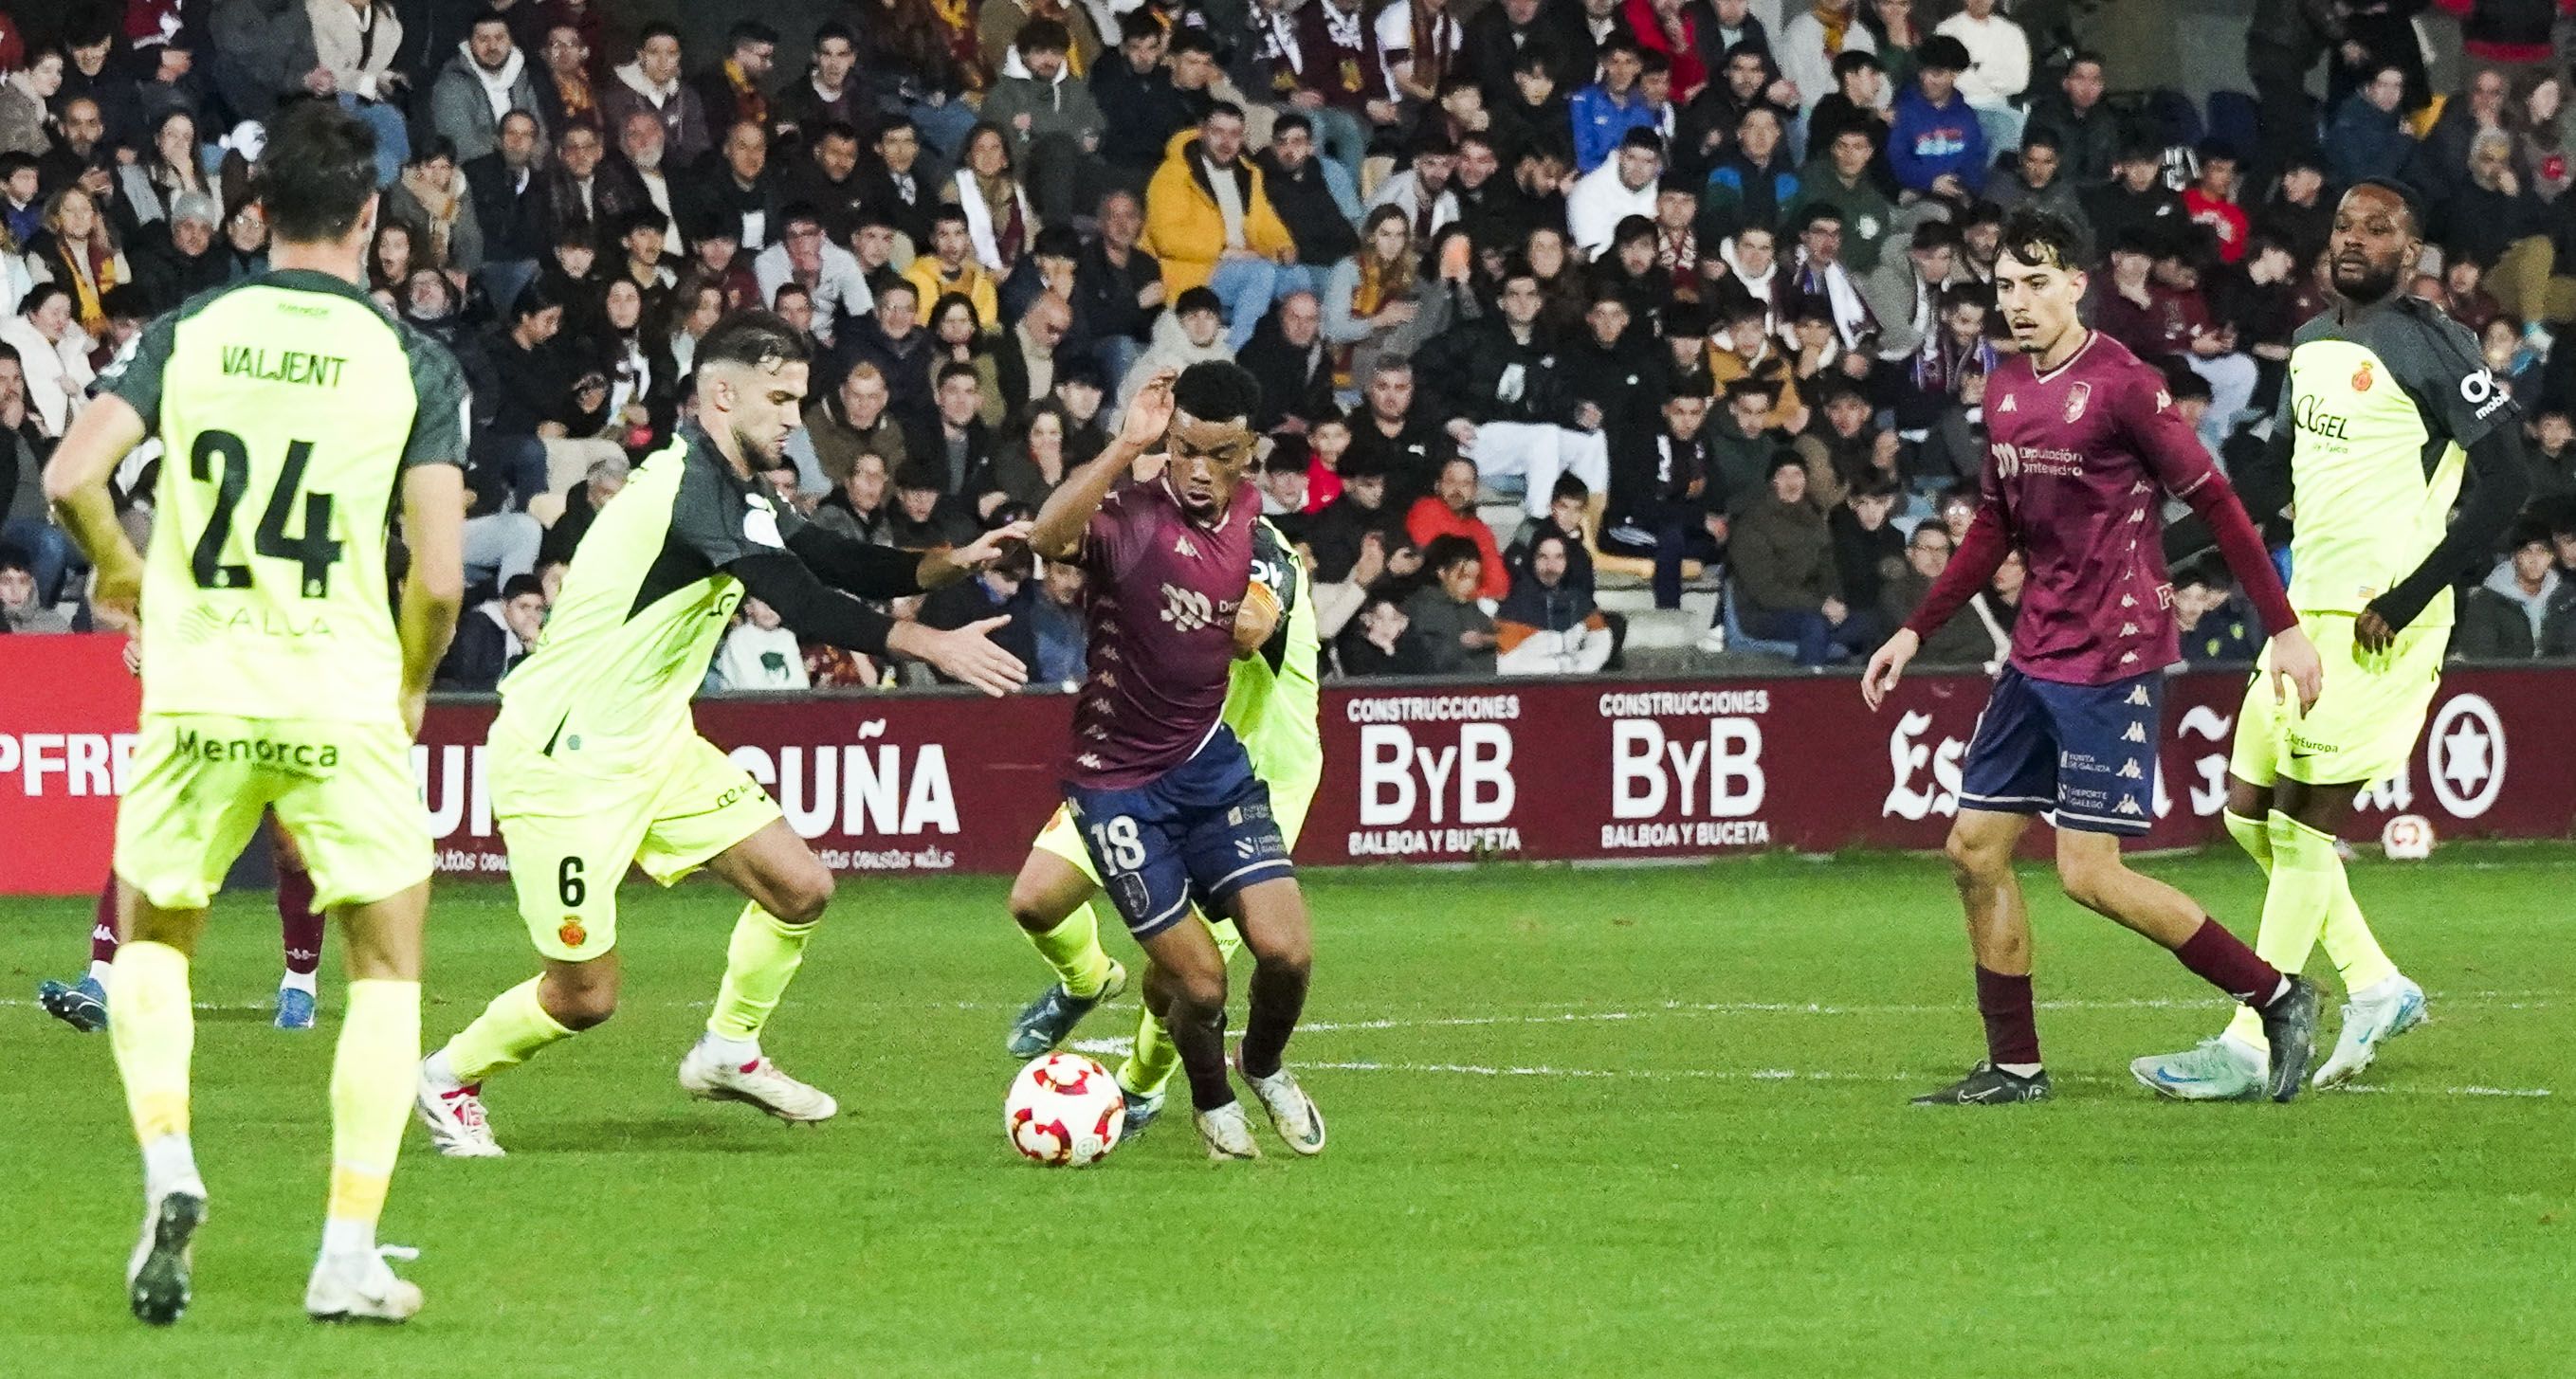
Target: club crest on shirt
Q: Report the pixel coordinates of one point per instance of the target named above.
(2076, 397)
(2361, 378)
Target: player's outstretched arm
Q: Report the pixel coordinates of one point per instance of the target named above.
(76, 484)
(2499, 483)
(816, 612)
(433, 591)
(941, 568)
(1058, 532)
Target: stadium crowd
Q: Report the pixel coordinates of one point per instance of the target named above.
(1696, 291)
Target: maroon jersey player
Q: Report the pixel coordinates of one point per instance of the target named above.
(2084, 448)
(1160, 790)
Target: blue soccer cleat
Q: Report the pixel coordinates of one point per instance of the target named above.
(1049, 1020)
(1141, 1111)
(294, 1008)
(82, 1005)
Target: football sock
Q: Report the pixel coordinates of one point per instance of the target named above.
(1073, 949)
(102, 932)
(508, 1031)
(1209, 1088)
(759, 963)
(299, 927)
(2012, 1028)
(2310, 895)
(2354, 949)
(1149, 1069)
(1278, 998)
(370, 1103)
(2222, 960)
(2253, 835)
(153, 1034)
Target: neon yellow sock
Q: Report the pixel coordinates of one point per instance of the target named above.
(153, 1032)
(1073, 949)
(1150, 1067)
(505, 1035)
(2357, 956)
(2253, 836)
(370, 1103)
(759, 963)
(2306, 873)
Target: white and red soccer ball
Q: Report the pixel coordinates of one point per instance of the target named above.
(2408, 838)
(1064, 1111)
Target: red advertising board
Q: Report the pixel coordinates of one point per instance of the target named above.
(1547, 770)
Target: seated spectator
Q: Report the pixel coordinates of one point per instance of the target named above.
(2493, 220)
(804, 255)
(1052, 121)
(1000, 223)
(2553, 463)
(176, 257)
(1192, 332)
(2136, 204)
(852, 420)
(892, 341)
(1839, 176)
(1025, 358)
(2298, 209)
(925, 517)
(1623, 186)
(481, 85)
(433, 199)
(860, 506)
(1938, 146)
(1351, 523)
(651, 85)
(20, 610)
(1949, 370)
(1809, 44)
(1515, 407)
(1233, 245)
(1548, 625)
(1328, 439)
(1904, 295)
(1030, 466)
(1857, 106)
(1821, 277)
(1396, 433)
(494, 638)
(2368, 136)
(509, 207)
(955, 442)
(1422, 191)
(167, 170)
(53, 357)
(958, 337)
(1566, 513)
(1998, 68)
(952, 269)
(2039, 178)
(1664, 496)
(1868, 549)
(605, 480)
(1453, 634)
(2085, 133)
(1785, 585)
(999, 590)
(1377, 644)
(1606, 110)
(1370, 302)
(2216, 629)
(2210, 201)
(1288, 356)
(1450, 511)
(2524, 609)
(1754, 183)
(759, 653)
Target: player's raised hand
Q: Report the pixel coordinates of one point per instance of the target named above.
(1887, 666)
(969, 654)
(986, 549)
(2295, 664)
(1150, 415)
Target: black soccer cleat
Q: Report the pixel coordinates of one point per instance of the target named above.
(1988, 1085)
(156, 1279)
(2290, 1023)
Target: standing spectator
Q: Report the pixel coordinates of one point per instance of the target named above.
(859, 506)
(1998, 69)
(730, 91)
(2369, 138)
(1051, 119)
(1857, 104)
(1548, 624)
(1962, 641)
(1937, 147)
(1453, 634)
(1809, 44)
(1786, 587)
(1621, 187)
(479, 87)
(651, 85)
(1210, 224)
(1867, 550)
(509, 207)
(355, 41)
(1143, 101)
(2085, 132)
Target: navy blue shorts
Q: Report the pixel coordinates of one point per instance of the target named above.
(1200, 832)
(2086, 754)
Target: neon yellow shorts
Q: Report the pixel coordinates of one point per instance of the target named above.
(571, 836)
(2365, 722)
(1289, 802)
(345, 791)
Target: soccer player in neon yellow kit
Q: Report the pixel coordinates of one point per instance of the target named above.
(2388, 406)
(294, 413)
(1272, 705)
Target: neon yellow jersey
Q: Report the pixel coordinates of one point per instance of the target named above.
(2386, 403)
(288, 407)
(1275, 696)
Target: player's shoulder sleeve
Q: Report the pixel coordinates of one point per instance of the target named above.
(1116, 532)
(716, 520)
(139, 372)
(2166, 444)
(442, 413)
(2439, 363)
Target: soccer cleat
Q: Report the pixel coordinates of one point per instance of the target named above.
(1227, 1132)
(359, 1288)
(2366, 1026)
(294, 1008)
(2219, 1069)
(81, 1005)
(1988, 1085)
(2290, 1027)
(455, 1120)
(1049, 1020)
(156, 1278)
(1292, 1112)
(1141, 1111)
(757, 1083)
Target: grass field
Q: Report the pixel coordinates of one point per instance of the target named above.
(1584, 1123)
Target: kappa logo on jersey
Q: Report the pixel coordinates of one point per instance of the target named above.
(1181, 547)
(2361, 379)
(2076, 397)
(2137, 731)
(2164, 400)
(1187, 610)
(2012, 403)
(2129, 805)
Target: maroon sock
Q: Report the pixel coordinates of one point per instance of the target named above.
(299, 925)
(2222, 960)
(2012, 1031)
(102, 934)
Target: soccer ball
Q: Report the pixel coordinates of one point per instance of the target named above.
(2408, 838)
(1064, 1111)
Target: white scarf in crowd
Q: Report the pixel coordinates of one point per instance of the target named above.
(979, 219)
(496, 85)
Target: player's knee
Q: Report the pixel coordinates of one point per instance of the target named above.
(1031, 908)
(802, 898)
(2089, 882)
(578, 1008)
(1202, 993)
(1971, 859)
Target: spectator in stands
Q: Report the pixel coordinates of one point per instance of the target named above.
(176, 257)
(1351, 523)
(1288, 354)
(1754, 182)
(2553, 463)
(2524, 609)
(509, 207)
(2040, 179)
(2135, 203)
(1370, 303)
(1963, 641)
(2441, 161)
(480, 86)
(1145, 102)
(1000, 590)
(433, 199)
(925, 517)
(2298, 209)
(567, 94)
(1054, 123)
(169, 168)
(53, 357)
(1604, 111)
(2368, 138)
(1904, 294)
(262, 53)
(892, 339)
(1665, 490)
(1892, 26)
(1786, 586)
(651, 85)
(1841, 450)
(860, 506)
(759, 653)
(1422, 191)
(1548, 625)
(2494, 220)
(2086, 133)
(79, 251)
(1844, 178)
(730, 91)
(1056, 625)
(1809, 44)
(1514, 406)
(1741, 443)
(1858, 105)
(355, 41)
(1000, 222)
(1623, 186)
(1452, 633)
(26, 97)
(1230, 242)
(2210, 201)
(21, 611)
(1376, 644)
(2215, 629)
(1025, 358)
(952, 269)
(1998, 68)
(1820, 277)
(1868, 549)
(1937, 146)
(1313, 196)
(1451, 512)
(954, 443)
(1192, 333)
(1324, 58)
(494, 638)
(1747, 350)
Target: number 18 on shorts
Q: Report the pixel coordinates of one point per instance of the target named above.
(1201, 831)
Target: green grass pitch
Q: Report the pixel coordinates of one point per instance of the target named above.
(1584, 1123)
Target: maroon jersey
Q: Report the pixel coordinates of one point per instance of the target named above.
(1161, 592)
(2078, 464)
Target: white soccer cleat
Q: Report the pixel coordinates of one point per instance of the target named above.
(1227, 1132)
(2366, 1026)
(359, 1288)
(1292, 1112)
(758, 1083)
(455, 1120)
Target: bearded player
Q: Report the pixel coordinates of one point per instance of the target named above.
(1160, 788)
(2389, 404)
(2085, 445)
(597, 765)
(1271, 706)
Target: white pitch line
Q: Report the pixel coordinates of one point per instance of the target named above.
(1817, 1075)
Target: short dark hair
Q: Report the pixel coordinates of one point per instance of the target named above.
(830, 29)
(40, 296)
(1138, 24)
(317, 173)
(1642, 137)
(1195, 41)
(1288, 120)
(656, 29)
(947, 214)
(1448, 552)
(1857, 60)
(1934, 234)
(754, 339)
(836, 129)
(1751, 388)
(956, 369)
(490, 16)
(746, 32)
(2037, 236)
(535, 299)
(2405, 193)
(517, 585)
(1198, 299)
(1217, 390)
(921, 476)
(1057, 242)
(1942, 53)
(1043, 35)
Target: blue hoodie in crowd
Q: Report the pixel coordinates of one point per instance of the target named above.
(1927, 141)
